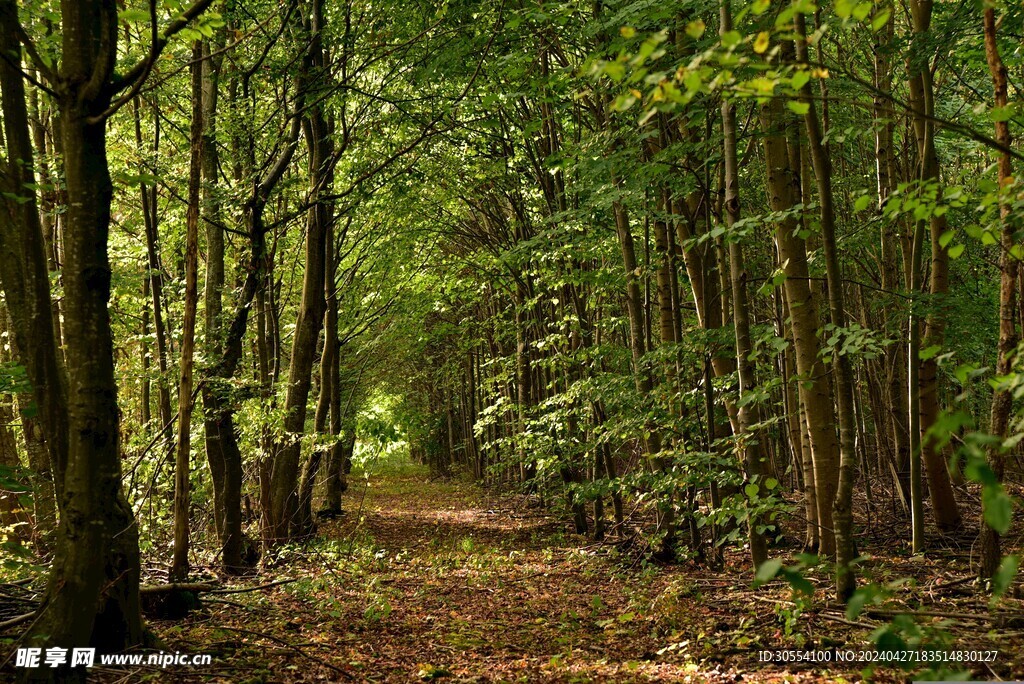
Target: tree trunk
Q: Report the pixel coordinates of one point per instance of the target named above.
(842, 507)
(642, 378)
(817, 395)
(284, 472)
(895, 372)
(150, 218)
(213, 332)
(750, 442)
(1002, 398)
(329, 378)
(944, 506)
(93, 594)
(182, 463)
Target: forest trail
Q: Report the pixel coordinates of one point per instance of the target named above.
(427, 579)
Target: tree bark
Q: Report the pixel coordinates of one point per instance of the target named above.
(842, 507)
(182, 464)
(282, 507)
(817, 395)
(93, 593)
(150, 218)
(944, 506)
(1002, 398)
(748, 413)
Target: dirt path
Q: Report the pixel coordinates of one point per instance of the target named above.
(426, 580)
(484, 589)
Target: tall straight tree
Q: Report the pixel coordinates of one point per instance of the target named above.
(842, 507)
(815, 391)
(749, 440)
(182, 461)
(282, 508)
(926, 390)
(222, 441)
(1002, 399)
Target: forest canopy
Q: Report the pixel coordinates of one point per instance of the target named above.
(718, 289)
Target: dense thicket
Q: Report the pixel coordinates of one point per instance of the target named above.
(720, 274)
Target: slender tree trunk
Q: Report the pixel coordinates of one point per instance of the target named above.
(304, 525)
(11, 473)
(944, 506)
(284, 475)
(150, 218)
(217, 400)
(896, 383)
(747, 413)
(842, 508)
(804, 315)
(635, 312)
(213, 291)
(339, 463)
(1002, 399)
(182, 461)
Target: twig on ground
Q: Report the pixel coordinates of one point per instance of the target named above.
(292, 647)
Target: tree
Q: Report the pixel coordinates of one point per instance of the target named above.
(93, 591)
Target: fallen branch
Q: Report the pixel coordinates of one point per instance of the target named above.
(257, 588)
(177, 586)
(16, 620)
(843, 621)
(201, 587)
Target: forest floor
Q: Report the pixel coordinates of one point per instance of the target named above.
(431, 579)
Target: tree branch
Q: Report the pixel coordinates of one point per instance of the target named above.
(137, 75)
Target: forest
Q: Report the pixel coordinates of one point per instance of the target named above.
(547, 340)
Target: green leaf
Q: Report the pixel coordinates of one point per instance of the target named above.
(880, 19)
(799, 80)
(997, 508)
(999, 114)
(695, 29)
(615, 70)
(430, 672)
(978, 470)
(798, 582)
(751, 490)
(799, 108)
(1004, 576)
(132, 16)
(844, 8)
(946, 238)
(862, 10)
(856, 603)
(623, 102)
(955, 251)
(761, 42)
(929, 352)
(692, 81)
(767, 571)
(731, 38)
(862, 203)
